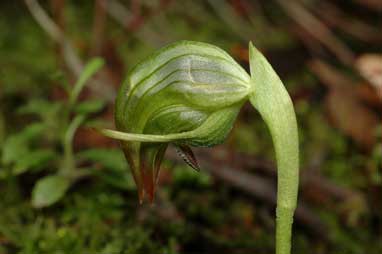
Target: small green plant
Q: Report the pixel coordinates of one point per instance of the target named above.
(46, 144)
(189, 94)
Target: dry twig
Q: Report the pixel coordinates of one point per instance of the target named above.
(254, 185)
(124, 17)
(315, 28)
(72, 60)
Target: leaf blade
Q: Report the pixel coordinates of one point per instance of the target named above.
(49, 190)
(90, 69)
(272, 100)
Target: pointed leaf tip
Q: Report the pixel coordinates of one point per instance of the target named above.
(255, 57)
(188, 156)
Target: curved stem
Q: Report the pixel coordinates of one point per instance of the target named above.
(67, 143)
(271, 99)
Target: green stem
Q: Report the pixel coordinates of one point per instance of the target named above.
(271, 99)
(69, 164)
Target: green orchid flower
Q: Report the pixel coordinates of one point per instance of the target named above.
(188, 94)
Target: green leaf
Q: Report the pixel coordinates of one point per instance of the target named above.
(35, 159)
(89, 106)
(48, 111)
(17, 145)
(31, 132)
(14, 148)
(90, 69)
(49, 190)
(35, 106)
(272, 100)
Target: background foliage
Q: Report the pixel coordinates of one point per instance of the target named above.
(66, 189)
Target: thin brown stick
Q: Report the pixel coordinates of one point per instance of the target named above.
(72, 60)
(254, 185)
(124, 17)
(335, 17)
(318, 30)
(98, 30)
